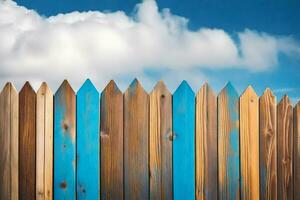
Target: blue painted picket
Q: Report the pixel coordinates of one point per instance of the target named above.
(88, 142)
(228, 143)
(64, 142)
(184, 142)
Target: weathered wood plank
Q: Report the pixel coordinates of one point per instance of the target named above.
(64, 142)
(9, 135)
(14, 148)
(27, 142)
(112, 142)
(44, 143)
(249, 144)
(206, 144)
(268, 146)
(160, 143)
(184, 142)
(136, 142)
(228, 143)
(285, 149)
(297, 151)
(5, 137)
(88, 141)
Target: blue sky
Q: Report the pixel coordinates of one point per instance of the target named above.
(278, 19)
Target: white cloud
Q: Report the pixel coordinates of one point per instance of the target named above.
(103, 46)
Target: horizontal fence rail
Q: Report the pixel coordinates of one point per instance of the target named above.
(110, 145)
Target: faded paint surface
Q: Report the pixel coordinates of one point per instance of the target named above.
(88, 142)
(228, 143)
(64, 142)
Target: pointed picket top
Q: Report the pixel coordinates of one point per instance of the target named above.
(44, 89)
(184, 86)
(285, 100)
(65, 86)
(249, 95)
(87, 86)
(268, 92)
(27, 88)
(230, 90)
(297, 105)
(161, 87)
(205, 88)
(8, 87)
(135, 87)
(111, 87)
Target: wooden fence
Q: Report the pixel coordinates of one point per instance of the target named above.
(139, 146)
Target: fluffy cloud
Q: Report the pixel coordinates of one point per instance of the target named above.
(102, 46)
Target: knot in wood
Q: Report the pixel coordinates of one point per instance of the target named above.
(63, 185)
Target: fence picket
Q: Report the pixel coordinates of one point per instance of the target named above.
(112, 142)
(44, 143)
(228, 143)
(9, 136)
(156, 146)
(64, 142)
(160, 143)
(136, 134)
(88, 141)
(296, 151)
(206, 144)
(285, 149)
(184, 142)
(268, 146)
(27, 142)
(249, 145)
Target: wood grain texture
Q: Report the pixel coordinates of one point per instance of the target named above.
(296, 151)
(44, 143)
(268, 146)
(136, 142)
(27, 142)
(112, 142)
(9, 135)
(249, 144)
(285, 149)
(206, 144)
(88, 142)
(64, 142)
(184, 142)
(160, 143)
(228, 144)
